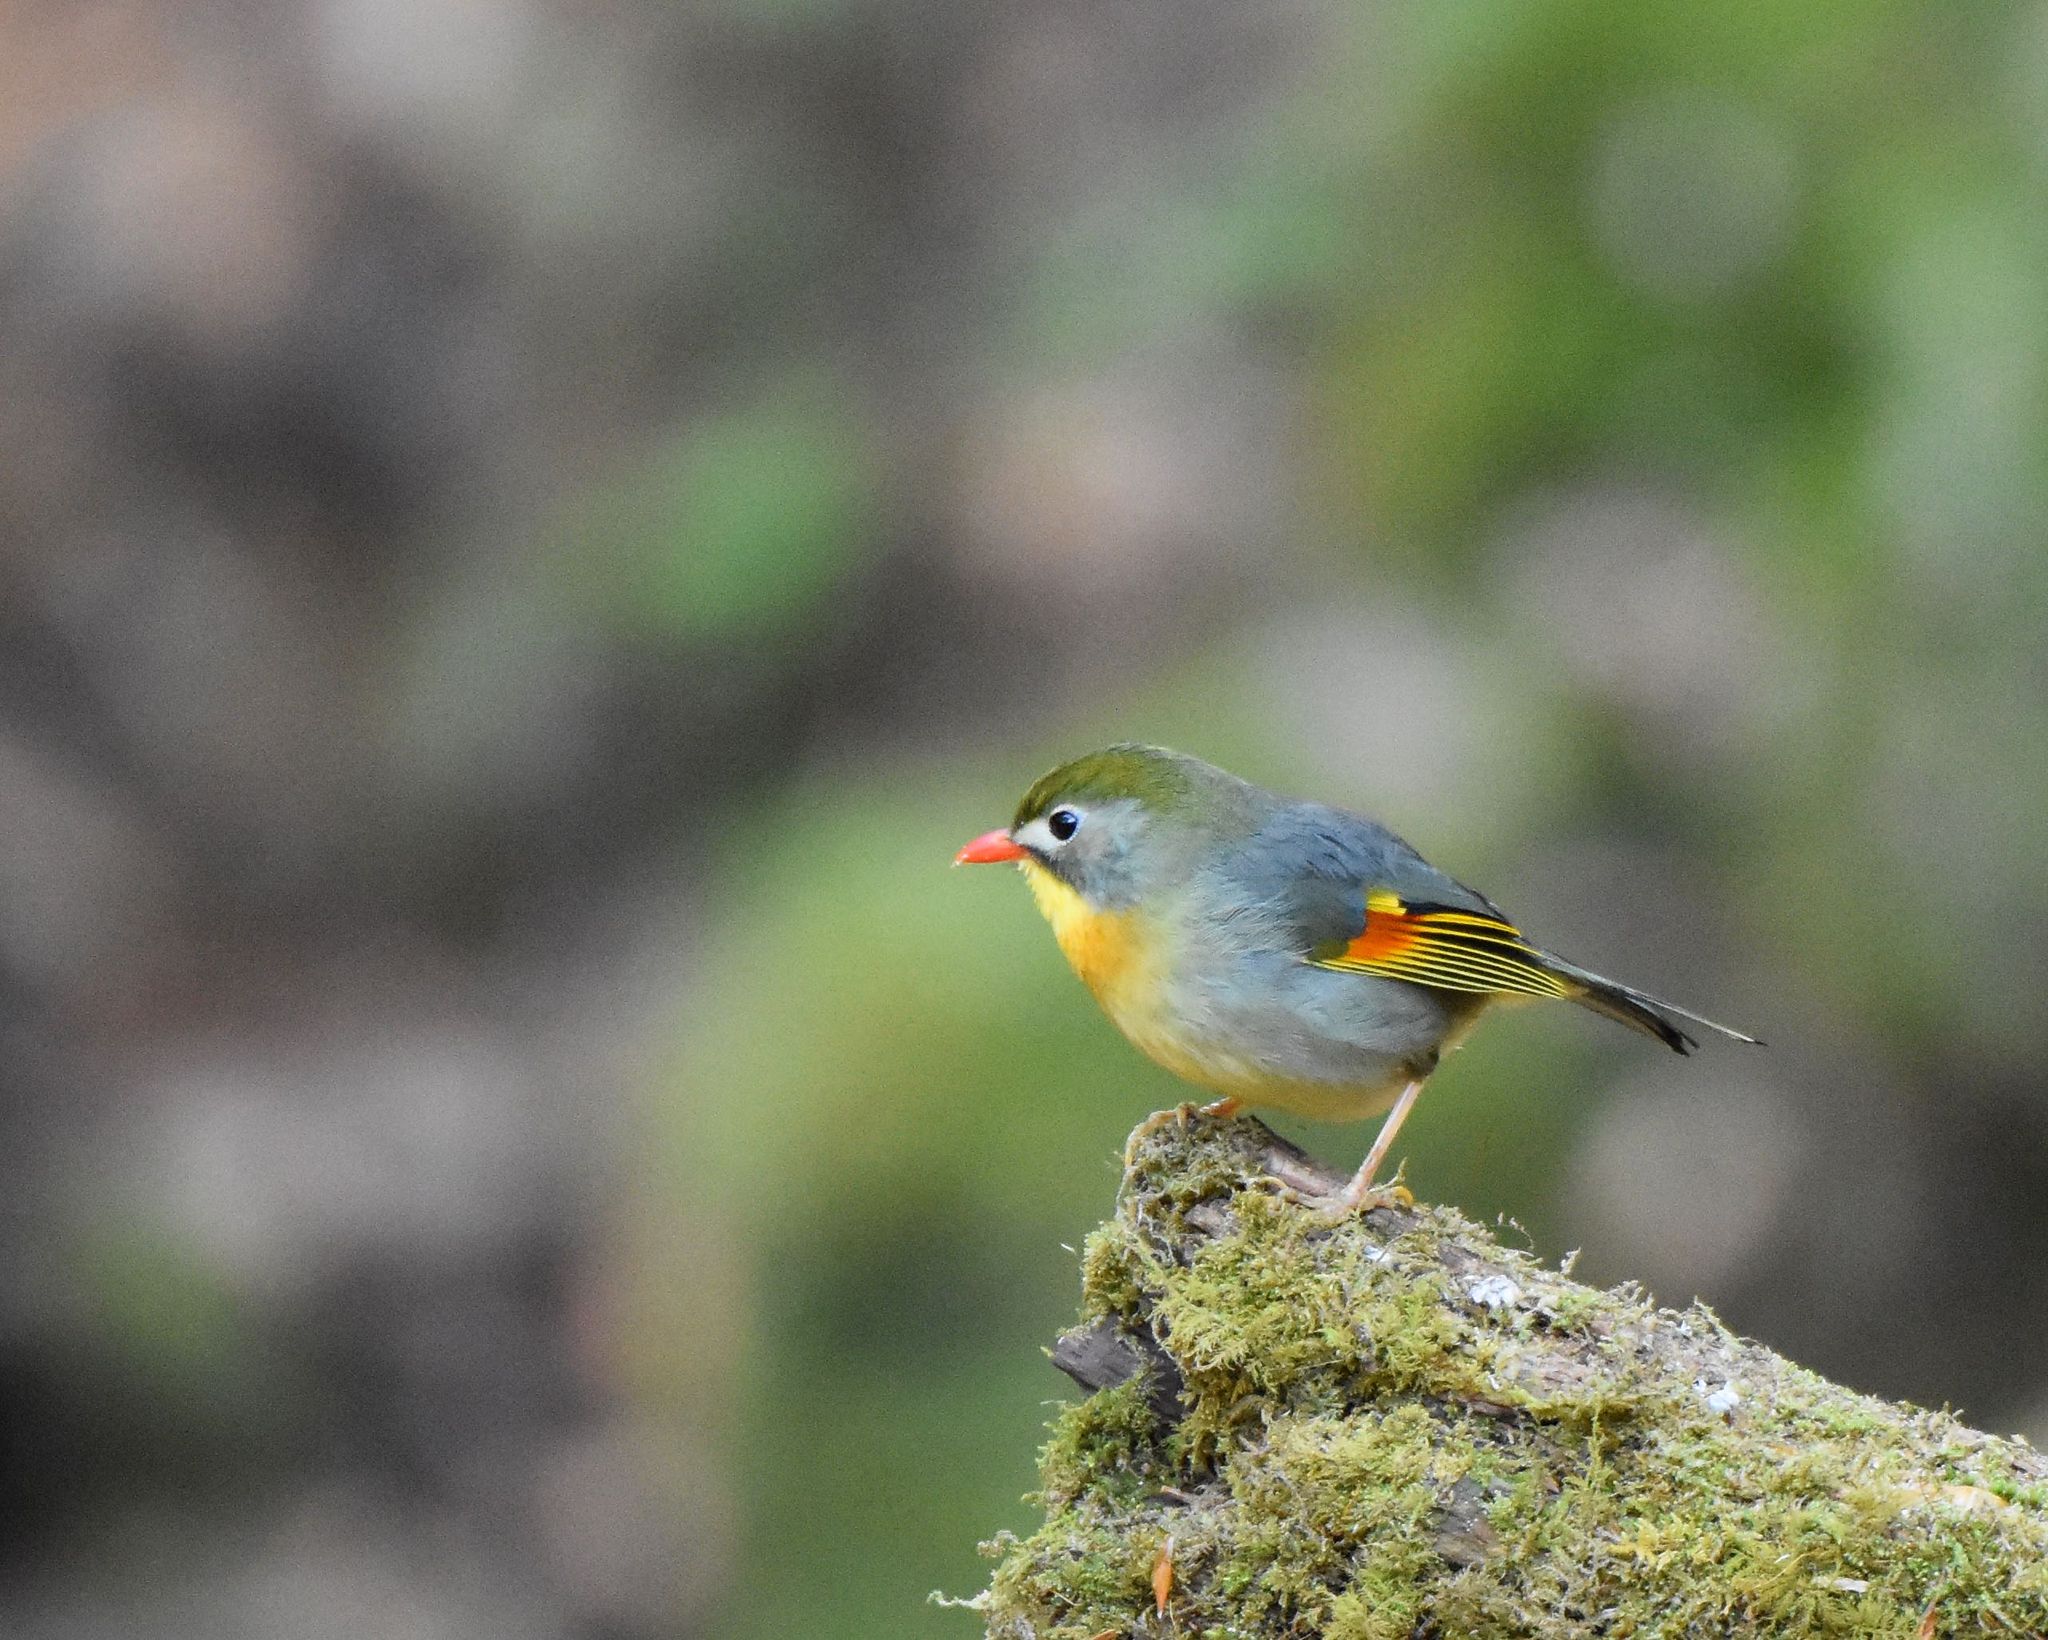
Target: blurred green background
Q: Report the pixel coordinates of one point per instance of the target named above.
(530, 531)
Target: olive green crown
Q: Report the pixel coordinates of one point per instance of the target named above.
(1156, 777)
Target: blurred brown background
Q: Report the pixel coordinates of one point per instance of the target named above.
(529, 530)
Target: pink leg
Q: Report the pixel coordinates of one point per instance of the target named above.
(1223, 1108)
(1358, 1193)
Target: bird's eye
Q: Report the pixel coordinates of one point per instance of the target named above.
(1062, 823)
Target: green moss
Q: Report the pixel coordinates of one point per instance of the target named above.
(1397, 1428)
(1104, 1445)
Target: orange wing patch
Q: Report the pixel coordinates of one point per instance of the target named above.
(1451, 950)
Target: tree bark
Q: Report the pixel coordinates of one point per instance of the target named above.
(1394, 1427)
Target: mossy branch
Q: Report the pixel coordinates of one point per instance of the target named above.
(1399, 1428)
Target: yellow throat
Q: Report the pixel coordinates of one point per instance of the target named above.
(1103, 947)
(1115, 955)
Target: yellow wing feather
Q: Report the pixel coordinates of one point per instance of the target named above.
(1449, 949)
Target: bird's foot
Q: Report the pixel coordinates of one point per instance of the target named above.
(1177, 1115)
(1291, 1184)
(1361, 1195)
(1351, 1203)
(1333, 1206)
(1218, 1109)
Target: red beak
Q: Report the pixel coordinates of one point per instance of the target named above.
(988, 848)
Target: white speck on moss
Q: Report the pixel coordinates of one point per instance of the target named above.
(1495, 1292)
(1722, 1400)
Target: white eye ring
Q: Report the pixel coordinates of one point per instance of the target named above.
(1039, 835)
(1063, 822)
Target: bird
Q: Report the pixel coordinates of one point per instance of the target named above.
(1276, 953)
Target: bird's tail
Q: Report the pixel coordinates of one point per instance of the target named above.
(1638, 1010)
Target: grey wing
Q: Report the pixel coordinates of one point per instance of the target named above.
(1314, 865)
(1318, 864)
(1297, 885)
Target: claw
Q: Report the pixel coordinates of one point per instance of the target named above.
(1335, 1210)
(1217, 1110)
(1303, 1190)
(1333, 1206)
(1151, 1125)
